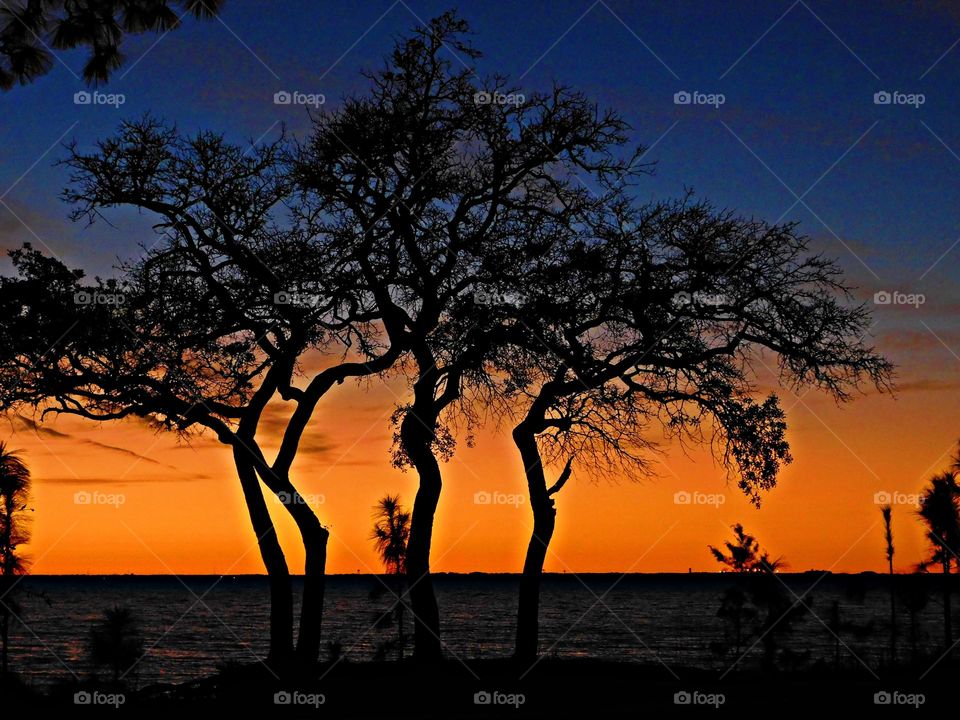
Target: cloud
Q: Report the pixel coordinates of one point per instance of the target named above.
(274, 421)
(927, 385)
(30, 424)
(93, 482)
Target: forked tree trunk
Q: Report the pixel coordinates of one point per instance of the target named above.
(416, 431)
(315, 538)
(281, 590)
(544, 521)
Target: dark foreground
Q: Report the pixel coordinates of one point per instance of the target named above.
(494, 689)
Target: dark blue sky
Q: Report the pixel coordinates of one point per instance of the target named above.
(798, 78)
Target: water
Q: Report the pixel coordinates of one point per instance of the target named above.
(193, 625)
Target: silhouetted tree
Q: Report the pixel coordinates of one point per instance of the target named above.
(758, 594)
(743, 553)
(408, 205)
(440, 183)
(29, 28)
(14, 531)
(115, 642)
(391, 532)
(887, 512)
(212, 326)
(940, 512)
(653, 315)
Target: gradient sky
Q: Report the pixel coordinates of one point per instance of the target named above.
(798, 137)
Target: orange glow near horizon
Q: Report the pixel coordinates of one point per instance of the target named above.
(158, 507)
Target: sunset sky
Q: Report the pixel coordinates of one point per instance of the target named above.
(798, 137)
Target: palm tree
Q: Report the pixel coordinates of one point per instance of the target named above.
(756, 589)
(14, 491)
(116, 643)
(940, 512)
(745, 555)
(887, 512)
(391, 531)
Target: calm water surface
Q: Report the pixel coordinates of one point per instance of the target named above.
(193, 625)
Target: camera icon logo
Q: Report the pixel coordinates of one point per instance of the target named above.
(682, 98)
(82, 97)
(882, 497)
(82, 698)
(882, 698)
(282, 98)
(482, 698)
(882, 98)
(282, 698)
(682, 698)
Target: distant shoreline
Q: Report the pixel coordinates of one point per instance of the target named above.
(804, 573)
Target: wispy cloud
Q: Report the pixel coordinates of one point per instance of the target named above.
(96, 481)
(30, 424)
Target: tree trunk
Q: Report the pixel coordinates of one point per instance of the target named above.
(544, 521)
(281, 591)
(423, 601)
(315, 538)
(417, 434)
(893, 617)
